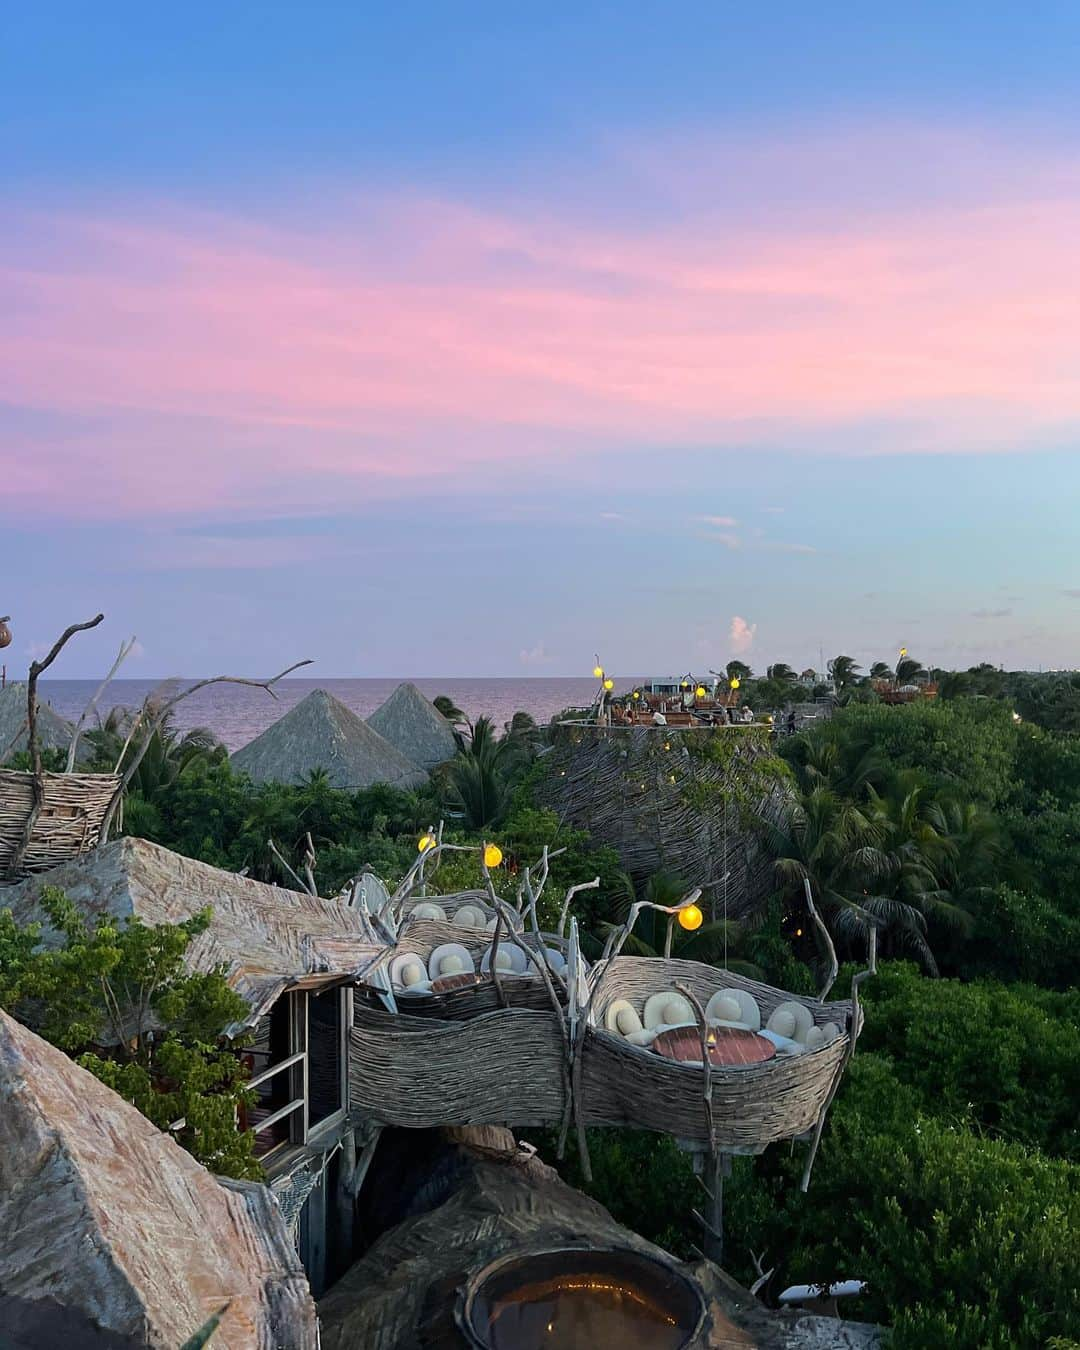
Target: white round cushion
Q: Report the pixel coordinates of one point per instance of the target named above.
(427, 910)
(724, 1010)
(667, 1009)
(451, 965)
(622, 1017)
(412, 972)
(504, 961)
(470, 916)
(783, 1023)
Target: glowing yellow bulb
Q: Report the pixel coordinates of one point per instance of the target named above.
(609, 684)
(686, 684)
(735, 681)
(492, 855)
(425, 842)
(700, 691)
(690, 918)
(798, 932)
(598, 672)
(903, 651)
(636, 694)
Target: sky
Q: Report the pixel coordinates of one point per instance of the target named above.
(432, 339)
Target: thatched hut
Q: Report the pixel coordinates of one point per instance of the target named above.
(53, 731)
(322, 733)
(413, 725)
(268, 939)
(471, 1202)
(112, 1236)
(684, 800)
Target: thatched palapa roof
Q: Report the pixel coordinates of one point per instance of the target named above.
(321, 733)
(112, 1236)
(54, 731)
(268, 938)
(413, 724)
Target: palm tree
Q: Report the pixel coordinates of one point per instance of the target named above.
(738, 670)
(881, 671)
(168, 753)
(844, 671)
(782, 673)
(479, 779)
(908, 670)
(444, 704)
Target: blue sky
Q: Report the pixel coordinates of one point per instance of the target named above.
(443, 341)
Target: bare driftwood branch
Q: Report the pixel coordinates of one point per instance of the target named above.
(826, 936)
(581, 886)
(166, 708)
(856, 1027)
(300, 885)
(38, 668)
(310, 863)
(122, 655)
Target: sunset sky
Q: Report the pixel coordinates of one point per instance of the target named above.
(441, 339)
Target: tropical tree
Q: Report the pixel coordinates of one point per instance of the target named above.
(908, 670)
(444, 704)
(738, 670)
(479, 779)
(119, 999)
(844, 671)
(880, 670)
(781, 673)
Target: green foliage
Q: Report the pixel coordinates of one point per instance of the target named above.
(955, 1233)
(982, 1052)
(117, 996)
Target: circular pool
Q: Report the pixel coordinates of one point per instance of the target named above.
(581, 1299)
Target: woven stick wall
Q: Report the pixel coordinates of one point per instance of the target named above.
(38, 834)
(422, 936)
(752, 1105)
(506, 1067)
(672, 799)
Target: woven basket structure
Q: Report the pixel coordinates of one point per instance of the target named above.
(66, 824)
(495, 1068)
(752, 1105)
(672, 799)
(422, 936)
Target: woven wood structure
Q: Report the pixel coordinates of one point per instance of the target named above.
(751, 1105)
(48, 819)
(422, 936)
(507, 1066)
(672, 799)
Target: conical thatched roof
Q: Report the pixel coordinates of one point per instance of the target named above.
(112, 1236)
(321, 733)
(54, 732)
(267, 938)
(415, 726)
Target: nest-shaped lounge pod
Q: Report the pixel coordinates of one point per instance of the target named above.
(524, 989)
(496, 1068)
(753, 1105)
(42, 829)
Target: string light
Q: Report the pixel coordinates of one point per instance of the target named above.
(609, 684)
(690, 917)
(598, 672)
(492, 855)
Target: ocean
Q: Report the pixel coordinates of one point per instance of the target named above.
(237, 713)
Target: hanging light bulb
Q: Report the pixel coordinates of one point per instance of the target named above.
(690, 917)
(734, 681)
(425, 842)
(492, 855)
(609, 684)
(700, 691)
(598, 672)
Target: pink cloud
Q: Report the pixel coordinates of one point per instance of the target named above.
(210, 359)
(742, 635)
